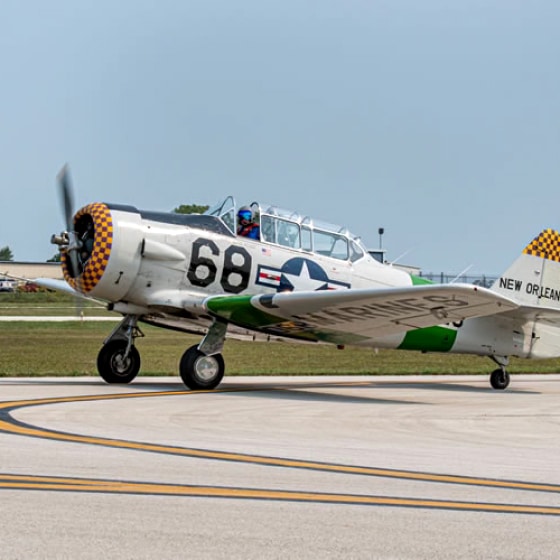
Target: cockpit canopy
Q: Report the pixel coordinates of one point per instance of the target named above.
(289, 229)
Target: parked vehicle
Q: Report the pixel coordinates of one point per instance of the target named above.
(7, 285)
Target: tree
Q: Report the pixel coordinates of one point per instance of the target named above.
(191, 209)
(6, 254)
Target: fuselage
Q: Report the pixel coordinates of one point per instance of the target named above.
(163, 265)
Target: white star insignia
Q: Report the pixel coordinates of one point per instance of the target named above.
(303, 280)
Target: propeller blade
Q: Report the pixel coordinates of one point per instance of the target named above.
(65, 189)
(66, 197)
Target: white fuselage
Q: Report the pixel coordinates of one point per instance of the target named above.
(161, 269)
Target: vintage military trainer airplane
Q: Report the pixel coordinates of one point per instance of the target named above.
(299, 278)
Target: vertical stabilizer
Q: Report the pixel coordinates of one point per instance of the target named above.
(534, 278)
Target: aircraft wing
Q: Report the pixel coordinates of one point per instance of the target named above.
(49, 283)
(59, 285)
(53, 284)
(352, 316)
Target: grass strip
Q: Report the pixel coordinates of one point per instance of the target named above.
(70, 348)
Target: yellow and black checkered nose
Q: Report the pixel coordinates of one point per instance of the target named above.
(96, 263)
(546, 246)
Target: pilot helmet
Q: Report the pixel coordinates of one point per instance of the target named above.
(245, 213)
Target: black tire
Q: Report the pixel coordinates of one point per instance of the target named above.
(499, 379)
(111, 366)
(199, 371)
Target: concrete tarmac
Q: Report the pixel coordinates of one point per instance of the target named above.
(280, 467)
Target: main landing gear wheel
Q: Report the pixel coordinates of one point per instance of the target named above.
(112, 364)
(499, 379)
(199, 371)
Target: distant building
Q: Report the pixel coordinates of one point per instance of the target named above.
(31, 269)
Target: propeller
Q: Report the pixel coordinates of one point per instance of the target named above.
(73, 243)
(66, 196)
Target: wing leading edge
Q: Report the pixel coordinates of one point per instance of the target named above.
(352, 316)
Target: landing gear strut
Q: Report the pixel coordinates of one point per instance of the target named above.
(202, 367)
(118, 360)
(499, 378)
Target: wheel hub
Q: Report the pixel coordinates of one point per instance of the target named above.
(120, 364)
(206, 368)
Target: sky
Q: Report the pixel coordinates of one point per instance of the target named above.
(438, 121)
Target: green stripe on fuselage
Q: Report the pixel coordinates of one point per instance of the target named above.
(430, 339)
(239, 310)
(418, 280)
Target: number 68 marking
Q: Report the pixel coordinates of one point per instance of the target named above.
(207, 266)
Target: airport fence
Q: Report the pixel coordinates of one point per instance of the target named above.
(444, 278)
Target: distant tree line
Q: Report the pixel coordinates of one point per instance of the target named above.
(191, 209)
(6, 254)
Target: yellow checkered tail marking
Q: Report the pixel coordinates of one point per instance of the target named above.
(546, 246)
(97, 263)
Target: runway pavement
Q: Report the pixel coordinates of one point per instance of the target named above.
(306, 467)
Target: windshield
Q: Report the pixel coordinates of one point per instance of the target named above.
(287, 228)
(290, 229)
(226, 211)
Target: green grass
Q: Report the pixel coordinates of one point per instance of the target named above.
(32, 298)
(71, 349)
(47, 304)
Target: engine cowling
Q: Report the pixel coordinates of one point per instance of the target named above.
(109, 255)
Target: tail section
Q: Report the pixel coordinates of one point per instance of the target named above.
(533, 280)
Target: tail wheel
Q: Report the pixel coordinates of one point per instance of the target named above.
(112, 364)
(499, 379)
(199, 371)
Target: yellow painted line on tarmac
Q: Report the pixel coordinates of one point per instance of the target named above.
(11, 426)
(24, 482)
(8, 479)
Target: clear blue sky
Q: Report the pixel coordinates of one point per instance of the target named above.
(438, 120)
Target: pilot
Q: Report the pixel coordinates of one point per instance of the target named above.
(246, 226)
